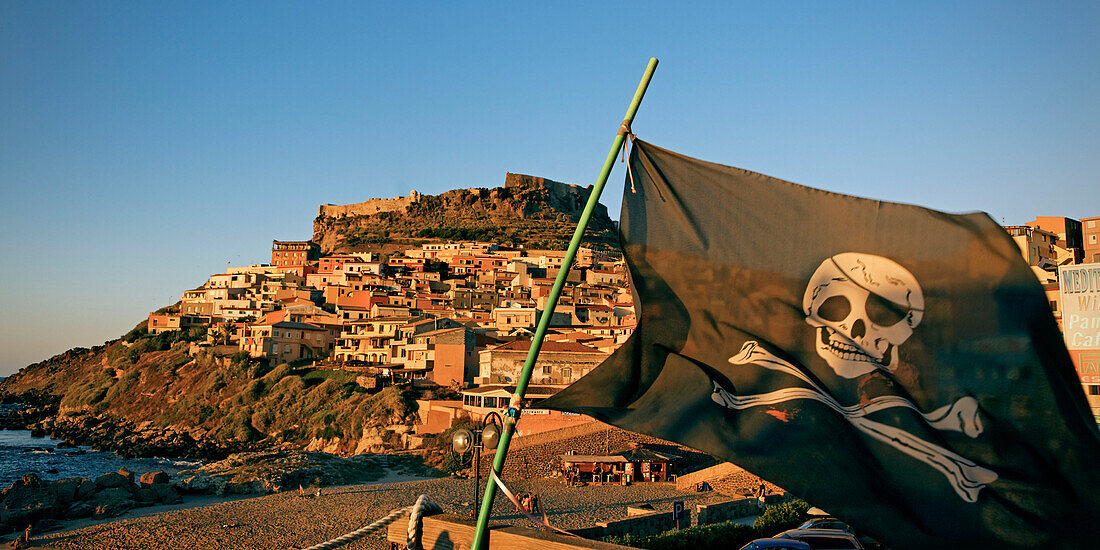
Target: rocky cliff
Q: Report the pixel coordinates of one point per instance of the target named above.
(528, 210)
(161, 402)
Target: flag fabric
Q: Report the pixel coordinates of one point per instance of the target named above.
(896, 366)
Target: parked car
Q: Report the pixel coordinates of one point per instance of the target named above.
(776, 544)
(827, 523)
(833, 523)
(823, 539)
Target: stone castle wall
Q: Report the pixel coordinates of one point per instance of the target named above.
(556, 188)
(563, 194)
(368, 207)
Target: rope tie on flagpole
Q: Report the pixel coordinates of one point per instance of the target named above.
(624, 130)
(422, 507)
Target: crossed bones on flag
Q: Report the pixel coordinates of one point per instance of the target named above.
(965, 476)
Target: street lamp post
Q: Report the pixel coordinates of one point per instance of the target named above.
(485, 434)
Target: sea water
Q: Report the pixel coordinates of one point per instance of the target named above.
(21, 454)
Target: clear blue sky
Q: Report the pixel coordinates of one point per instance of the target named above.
(142, 147)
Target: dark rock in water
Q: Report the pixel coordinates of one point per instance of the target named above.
(25, 503)
(67, 490)
(126, 474)
(76, 453)
(31, 481)
(112, 501)
(52, 471)
(38, 431)
(85, 490)
(110, 480)
(64, 445)
(151, 478)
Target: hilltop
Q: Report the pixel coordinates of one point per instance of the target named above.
(527, 211)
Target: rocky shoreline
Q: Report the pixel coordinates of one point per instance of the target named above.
(40, 504)
(133, 441)
(107, 433)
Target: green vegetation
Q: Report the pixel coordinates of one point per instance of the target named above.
(721, 536)
(314, 377)
(229, 398)
(718, 536)
(781, 517)
(138, 332)
(361, 236)
(141, 342)
(484, 234)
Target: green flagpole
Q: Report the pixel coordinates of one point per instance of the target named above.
(512, 415)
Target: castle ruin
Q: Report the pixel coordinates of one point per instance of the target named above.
(368, 207)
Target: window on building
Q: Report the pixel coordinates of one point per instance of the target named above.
(1091, 224)
(1094, 390)
(1092, 239)
(1054, 305)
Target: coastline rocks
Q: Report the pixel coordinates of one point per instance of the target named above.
(112, 501)
(32, 501)
(274, 471)
(110, 480)
(79, 427)
(153, 478)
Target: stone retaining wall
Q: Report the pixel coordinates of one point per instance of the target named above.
(644, 524)
(727, 511)
(687, 482)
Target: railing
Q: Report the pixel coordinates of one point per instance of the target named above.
(446, 532)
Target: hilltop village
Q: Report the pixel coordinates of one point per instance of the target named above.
(458, 315)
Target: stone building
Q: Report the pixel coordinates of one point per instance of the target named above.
(286, 253)
(558, 362)
(284, 342)
(1090, 229)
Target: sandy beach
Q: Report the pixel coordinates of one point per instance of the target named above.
(289, 520)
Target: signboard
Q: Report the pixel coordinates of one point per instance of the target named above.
(1080, 289)
(1088, 365)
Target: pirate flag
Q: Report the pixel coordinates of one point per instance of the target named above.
(894, 365)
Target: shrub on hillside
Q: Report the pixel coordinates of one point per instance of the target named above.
(195, 334)
(718, 536)
(781, 517)
(240, 359)
(136, 333)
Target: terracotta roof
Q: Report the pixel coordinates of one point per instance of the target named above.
(439, 331)
(592, 458)
(531, 390)
(297, 326)
(547, 345)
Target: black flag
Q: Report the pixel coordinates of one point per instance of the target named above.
(894, 365)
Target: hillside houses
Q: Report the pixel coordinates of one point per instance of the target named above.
(455, 314)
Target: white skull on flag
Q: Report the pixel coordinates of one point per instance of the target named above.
(863, 307)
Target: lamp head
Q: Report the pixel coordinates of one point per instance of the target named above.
(490, 436)
(462, 440)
